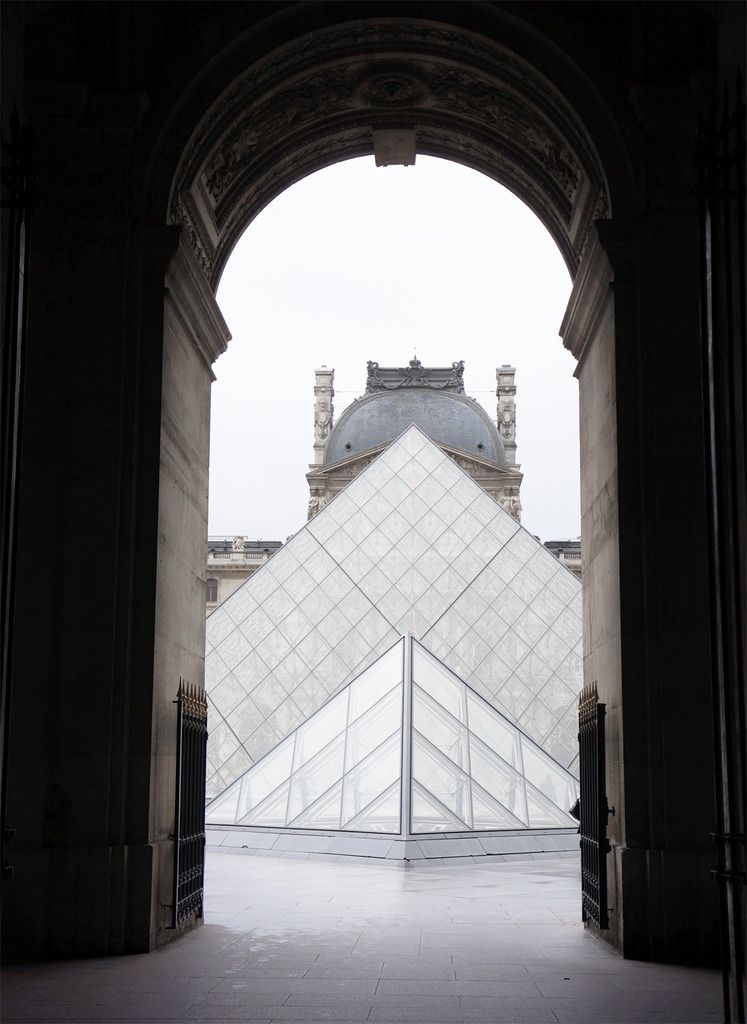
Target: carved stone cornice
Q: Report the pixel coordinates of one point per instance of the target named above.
(193, 304)
(320, 98)
(589, 298)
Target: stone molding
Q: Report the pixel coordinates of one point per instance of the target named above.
(589, 298)
(322, 97)
(193, 305)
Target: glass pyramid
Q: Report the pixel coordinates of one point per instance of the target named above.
(407, 749)
(411, 545)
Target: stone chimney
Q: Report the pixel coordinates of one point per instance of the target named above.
(506, 419)
(324, 411)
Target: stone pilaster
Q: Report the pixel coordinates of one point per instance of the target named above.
(506, 391)
(324, 411)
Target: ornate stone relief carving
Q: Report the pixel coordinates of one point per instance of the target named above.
(319, 97)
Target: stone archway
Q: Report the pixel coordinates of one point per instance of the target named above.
(140, 123)
(344, 90)
(390, 88)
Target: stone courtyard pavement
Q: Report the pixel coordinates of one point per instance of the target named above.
(292, 939)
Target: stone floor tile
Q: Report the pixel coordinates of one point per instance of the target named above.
(300, 939)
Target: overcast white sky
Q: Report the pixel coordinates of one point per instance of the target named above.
(357, 262)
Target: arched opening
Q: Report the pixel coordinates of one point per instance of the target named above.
(153, 166)
(398, 92)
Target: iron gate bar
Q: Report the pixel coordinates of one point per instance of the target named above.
(593, 809)
(189, 824)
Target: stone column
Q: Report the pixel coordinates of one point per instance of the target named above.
(324, 411)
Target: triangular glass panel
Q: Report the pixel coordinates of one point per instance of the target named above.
(488, 814)
(315, 777)
(271, 812)
(373, 776)
(381, 815)
(323, 813)
(543, 814)
(371, 729)
(429, 815)
(440, 778)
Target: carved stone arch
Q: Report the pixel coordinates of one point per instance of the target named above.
(319, 98)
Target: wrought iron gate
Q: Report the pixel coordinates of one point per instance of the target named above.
(593, 809)
(723, 188)
(189, 827)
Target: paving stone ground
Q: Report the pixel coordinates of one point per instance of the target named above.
(293, 939)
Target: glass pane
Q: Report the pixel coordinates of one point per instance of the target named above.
(245, 719)
(429, 816)
(271, 813)
(265, 777)
(273, 648)
(227, 695)
(526, 585)
(467, 527)
(319, 566)
(222, 811)
(371, 729)
(376, 681)
(375, 584)
(358, 526)
(547, 776)
(413, 509)
(324, 813)
(438, 682)
(429, 490)
(295, 626)
(488, 814)
(371, 777)
(218, 626)
(412, 584)
(317, 732)
(223, 743)
(543, 565)
(357, 564)
(529, 627)
(444, 732)
(522, 545)
(236, 647)
(382, 815)
(494, 730)
(448, 545)
(430, 526)
(313, 648)
(440, 778)
(496, 778)
(316, 777)
(430, 457)
(373, 626)
(542, 814)
(241, 603)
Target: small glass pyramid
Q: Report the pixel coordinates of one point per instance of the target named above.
(406, 749)
(411, 545)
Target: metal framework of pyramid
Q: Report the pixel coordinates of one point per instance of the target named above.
(411, 545)
(405, 749)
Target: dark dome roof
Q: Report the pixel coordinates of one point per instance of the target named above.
(445, 416)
